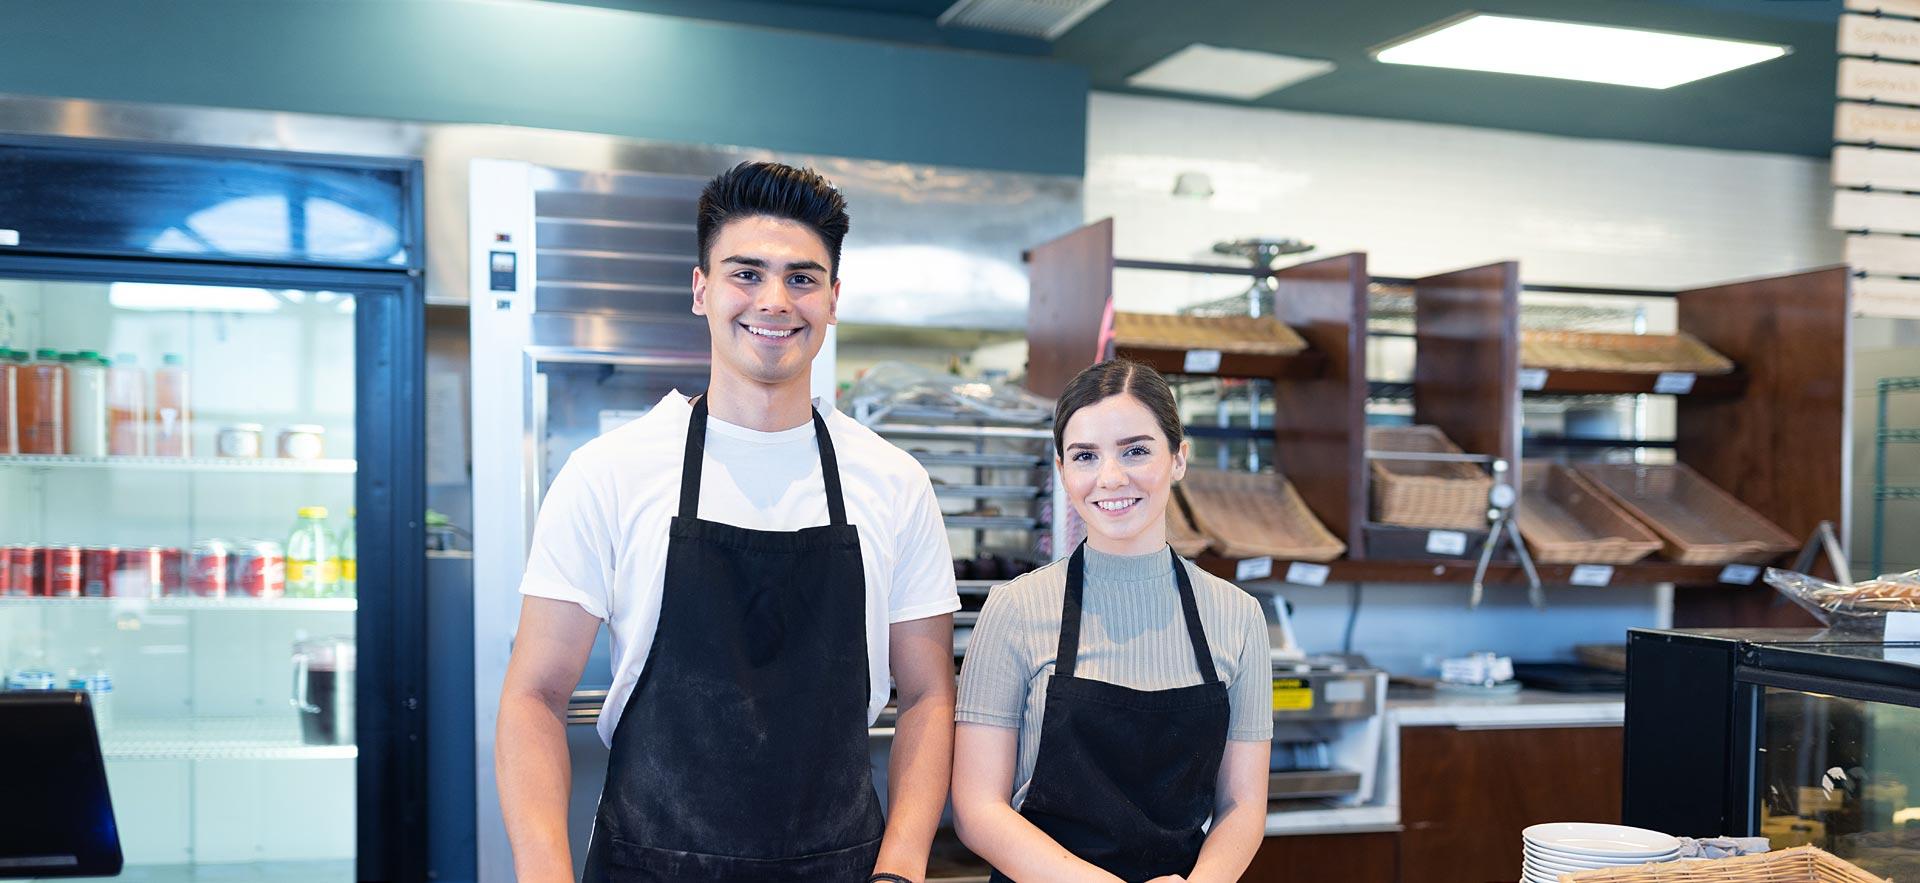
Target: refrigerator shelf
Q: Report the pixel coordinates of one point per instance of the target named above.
(265, 737)
(182, 464)
(983, 461)
(990, 522)
(262, 605)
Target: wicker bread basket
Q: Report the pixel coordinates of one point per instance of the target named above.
(1181, 534)
(1414, 493)
(1247, 515)
(1639, 353)
(1265, 336)
(1698, 523)
(1566, 520)
(1801, 864)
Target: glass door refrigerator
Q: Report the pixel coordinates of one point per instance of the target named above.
(211, 467)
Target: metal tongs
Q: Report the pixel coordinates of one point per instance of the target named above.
(1500, 502)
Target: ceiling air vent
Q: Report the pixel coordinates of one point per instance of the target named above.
(1046, 19)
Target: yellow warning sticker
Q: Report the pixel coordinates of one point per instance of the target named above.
(1292, 694)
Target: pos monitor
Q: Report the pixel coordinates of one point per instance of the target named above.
(56, 819)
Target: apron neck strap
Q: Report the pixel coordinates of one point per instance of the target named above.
(690, 467)
(1068, 656)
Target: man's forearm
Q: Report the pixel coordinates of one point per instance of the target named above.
(918, 771)
(536, 779)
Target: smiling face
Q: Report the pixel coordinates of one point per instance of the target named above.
(1119, 470)
(768, 297)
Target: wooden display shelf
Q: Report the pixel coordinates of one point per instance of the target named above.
(1168, 360)
(1560, 382)
(1460, 571)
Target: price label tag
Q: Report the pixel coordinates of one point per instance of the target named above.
(1302, 573)
(1446, 542)
(1739, 574)
(1903, 627)
(1201, 362)
(1673, 383)
(9, 237)
(1252, 568)
(1533, 379)
(1591, 574)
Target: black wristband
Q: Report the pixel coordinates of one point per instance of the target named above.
(884, 877)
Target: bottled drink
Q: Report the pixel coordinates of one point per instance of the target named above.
(9, 403)
(43, 405)
(313, 564)
(126, 408)
(172, 414)
(349, 568)
(87, 404)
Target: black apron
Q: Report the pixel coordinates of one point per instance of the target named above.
(1125, 778)
(742, 752)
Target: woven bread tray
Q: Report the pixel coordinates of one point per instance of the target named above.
(1416, 493)
(1566, 520)
(1698, 523)
(1247, 515)
(1265, 336)
(1639, 353)
(1801, 864)
(1181, 534)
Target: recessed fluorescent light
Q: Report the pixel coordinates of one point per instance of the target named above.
(1229, 73)
(1571, 51)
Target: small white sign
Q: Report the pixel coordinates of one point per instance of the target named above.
(1446, 542)
(1302, 573)
(1252, 568)
(1591, 574)
(1673, 383)
(1739, 574)
(1201, 362)
(1903, 626)
(9, 237)
(1533, 379)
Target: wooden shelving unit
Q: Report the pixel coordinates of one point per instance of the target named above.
(1773, 433)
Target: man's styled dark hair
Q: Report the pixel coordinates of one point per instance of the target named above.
(774, 190)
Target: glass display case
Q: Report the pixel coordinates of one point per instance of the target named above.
(213, 495)
(1802, 737)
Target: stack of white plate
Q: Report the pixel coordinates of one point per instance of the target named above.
(1565, 847)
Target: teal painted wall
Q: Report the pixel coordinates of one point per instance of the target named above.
(558, 66)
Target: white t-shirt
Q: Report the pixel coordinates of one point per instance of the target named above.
(601, 538)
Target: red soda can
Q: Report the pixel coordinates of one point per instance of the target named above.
(207, 569)
(97, 564)
(260, 569)
(137, 573)
(64, 571)
(173, 571)
(28, 577)
(6, 572)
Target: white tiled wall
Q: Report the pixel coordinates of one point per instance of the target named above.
(1421, 198)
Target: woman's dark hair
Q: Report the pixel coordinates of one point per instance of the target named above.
(1111, 378)
(774, 190)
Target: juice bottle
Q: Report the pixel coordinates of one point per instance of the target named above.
(172, 415)
(313, 565)
(345, 551)
(43, 405)
(126, 407)
(87, 404)
(9, 403)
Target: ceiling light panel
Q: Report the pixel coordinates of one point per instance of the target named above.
(1045, 19)
(1572, 51)
(1200, 69)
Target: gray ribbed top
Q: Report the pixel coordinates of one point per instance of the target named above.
(1132, 633)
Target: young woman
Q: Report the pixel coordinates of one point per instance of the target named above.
(1113, 702)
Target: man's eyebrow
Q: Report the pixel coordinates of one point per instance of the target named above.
(805, 265)
(743, 259)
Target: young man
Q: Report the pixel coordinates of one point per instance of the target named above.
(764, 563)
